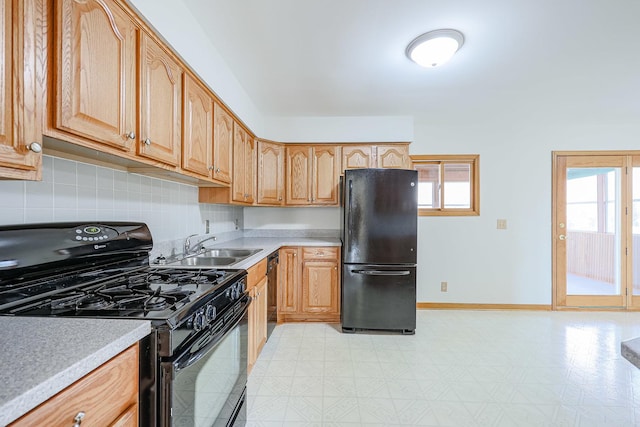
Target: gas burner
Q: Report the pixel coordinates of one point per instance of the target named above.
(155, 303)
(92, 302)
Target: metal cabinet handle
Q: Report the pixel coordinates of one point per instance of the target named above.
(35, 147)
(217, 170)
(562, 237)
(147, 141)
(382, 272)
(131, 135)
(210, 168)
(78, 419)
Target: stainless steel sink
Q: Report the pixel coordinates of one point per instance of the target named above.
(234, 253)
(202, 261)
(222, 257)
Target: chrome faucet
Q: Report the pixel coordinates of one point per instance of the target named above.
(187, 244)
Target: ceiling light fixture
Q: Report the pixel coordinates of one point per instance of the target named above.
(435, 47)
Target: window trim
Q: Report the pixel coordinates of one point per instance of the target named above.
(474, 161)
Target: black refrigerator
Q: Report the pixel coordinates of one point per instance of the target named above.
(379, 212)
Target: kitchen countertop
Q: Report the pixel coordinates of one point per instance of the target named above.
(630, 350)
(42, 356)
(268, 245)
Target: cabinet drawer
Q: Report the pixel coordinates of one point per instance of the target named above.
(106, 395)
(256, 273)
(311, 252)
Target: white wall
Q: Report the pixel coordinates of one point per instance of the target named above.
(173, 20)
(292, 218)
(480, 263)
(339, 129)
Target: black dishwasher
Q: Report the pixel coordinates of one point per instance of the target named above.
(272, 292)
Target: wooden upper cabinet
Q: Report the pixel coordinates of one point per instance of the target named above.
(312, 175)
(298, 174)
(324, 190)
(244, 165)
(358, 156)
(270, 174)
(160, 103)
(20, 96)
(197, 135)
(222, 144)
(96, 71)
(393, 157)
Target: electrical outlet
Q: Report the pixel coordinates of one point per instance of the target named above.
(502, 224)
(443, 286)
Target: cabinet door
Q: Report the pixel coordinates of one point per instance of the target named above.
(20, 118)
(357, 156)
(95, 75)
(325, 176)
(243, 166)
(270, 173)
(250, 168)
(320, 280)
(299, 167)
(222, 144)
(289, 280)
(160, 104)
(393, 157)
(197, 138)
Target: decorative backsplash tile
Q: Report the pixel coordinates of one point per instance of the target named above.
(75, 191)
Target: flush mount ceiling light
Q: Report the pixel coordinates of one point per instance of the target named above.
(435, 47)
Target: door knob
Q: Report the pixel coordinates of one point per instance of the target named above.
(131, 135)
(562, 237)
(147, 141)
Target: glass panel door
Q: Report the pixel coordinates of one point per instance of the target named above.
(634, 256)
(589, 231)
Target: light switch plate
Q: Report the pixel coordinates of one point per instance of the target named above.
(502, 224)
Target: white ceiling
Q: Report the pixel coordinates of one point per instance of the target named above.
(538, 60)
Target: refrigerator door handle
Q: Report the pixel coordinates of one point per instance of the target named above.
(382, 272)
(349, 224)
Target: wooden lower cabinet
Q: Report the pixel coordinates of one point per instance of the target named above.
(108, 396)
(257, 286)
(309, 284)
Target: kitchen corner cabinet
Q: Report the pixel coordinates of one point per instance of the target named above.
(197, 135)
(270, 190)
(309, 288)
(393, 157)
(20, 91)
(257, 286)
(222, 144)
(95, 73)
(244, 166)
(108, 396)
(160, 103)
(312, 175)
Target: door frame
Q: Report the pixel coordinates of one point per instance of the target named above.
(558, 248)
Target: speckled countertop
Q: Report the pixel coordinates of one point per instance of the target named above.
(630, 350)
(268, 245)
(42, 356)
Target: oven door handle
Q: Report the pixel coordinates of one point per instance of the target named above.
(188, 358)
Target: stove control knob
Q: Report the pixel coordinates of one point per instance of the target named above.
(198, 321)
(210, 312)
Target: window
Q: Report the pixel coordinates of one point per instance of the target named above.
(448, 184)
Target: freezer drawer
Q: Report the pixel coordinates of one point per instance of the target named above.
(378, 297)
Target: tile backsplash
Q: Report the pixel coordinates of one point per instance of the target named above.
(76, 191)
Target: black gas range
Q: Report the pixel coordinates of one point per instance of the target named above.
(101, 270)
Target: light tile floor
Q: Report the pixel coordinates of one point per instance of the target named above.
(461, 368)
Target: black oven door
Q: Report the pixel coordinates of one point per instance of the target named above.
(206, 384)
